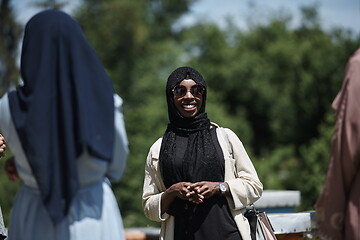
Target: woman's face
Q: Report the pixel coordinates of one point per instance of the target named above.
(188, 98)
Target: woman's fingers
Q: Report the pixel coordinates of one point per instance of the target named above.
(197, 192)
(206, 189)
(10, 170)
(2, 145)
(182, 190)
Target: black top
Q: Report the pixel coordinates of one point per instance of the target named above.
(211, 219)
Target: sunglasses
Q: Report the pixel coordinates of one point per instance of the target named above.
(180, 91)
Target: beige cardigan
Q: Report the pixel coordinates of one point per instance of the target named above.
(240, 175)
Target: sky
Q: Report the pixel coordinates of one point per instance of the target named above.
(333, 13)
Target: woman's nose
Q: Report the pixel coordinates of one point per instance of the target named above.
(188, 94)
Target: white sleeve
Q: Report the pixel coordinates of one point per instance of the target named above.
(246, 187)
(153, 186)
(5, 118)
(121, 150)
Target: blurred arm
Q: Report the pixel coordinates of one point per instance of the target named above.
(121, 150)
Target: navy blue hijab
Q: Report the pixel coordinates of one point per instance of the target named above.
(65, 105)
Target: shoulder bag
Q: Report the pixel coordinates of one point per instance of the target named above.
(260, 226)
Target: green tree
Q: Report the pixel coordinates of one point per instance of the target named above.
(271, 84)
(9, 37)
(279, 83)
(138, 48)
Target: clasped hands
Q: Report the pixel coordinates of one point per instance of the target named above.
(2, 145)
(196, 192)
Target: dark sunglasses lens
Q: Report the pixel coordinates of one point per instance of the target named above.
(179, 91)
(197, 90)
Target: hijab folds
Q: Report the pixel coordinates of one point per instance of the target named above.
(64, 106)
(200, 162)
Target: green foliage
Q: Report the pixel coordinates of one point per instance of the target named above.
(144, 126)
(314, 162)
(272, 85)
(280, 161)
(8, 190)
(9, 37)
(124, 37)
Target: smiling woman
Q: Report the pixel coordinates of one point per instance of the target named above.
(188, 97)
(192, 184)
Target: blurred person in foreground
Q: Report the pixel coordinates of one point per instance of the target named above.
(198, 176)
(2, 225)
(3, 234)
(2, 146)
(338, 207)
(65, 129)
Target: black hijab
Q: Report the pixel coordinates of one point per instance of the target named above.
(200, 161)
(65, 105)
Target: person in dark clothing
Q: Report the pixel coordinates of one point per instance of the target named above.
(198, 176)
(65, 128)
